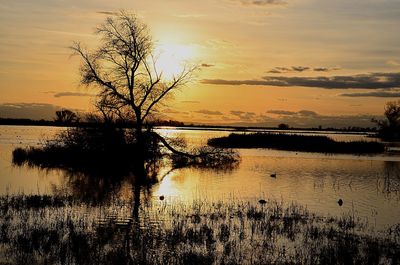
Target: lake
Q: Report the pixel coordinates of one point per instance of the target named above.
(368, 185)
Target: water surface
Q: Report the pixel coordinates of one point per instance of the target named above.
(368, 185)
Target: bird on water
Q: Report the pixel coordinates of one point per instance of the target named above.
(340, 202)
(262, 201)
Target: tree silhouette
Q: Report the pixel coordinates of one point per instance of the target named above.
(283, 126)
(66, 116)
(390, 127)
(124, 68)
(131, 88)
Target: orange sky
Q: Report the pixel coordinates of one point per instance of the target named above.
(303, 62)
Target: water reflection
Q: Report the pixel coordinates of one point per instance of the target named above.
(368, 188)
(391, 180)
(105, 186)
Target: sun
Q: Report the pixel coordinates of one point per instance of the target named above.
(172, 58)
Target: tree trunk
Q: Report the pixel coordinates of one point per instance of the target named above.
(141, 153)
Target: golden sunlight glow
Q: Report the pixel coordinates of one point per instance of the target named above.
(172, 58)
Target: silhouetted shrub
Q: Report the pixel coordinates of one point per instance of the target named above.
(87, 149)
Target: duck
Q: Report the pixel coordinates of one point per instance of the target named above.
(161, 197)
(340, 202)
(273, 175)
(262, 201)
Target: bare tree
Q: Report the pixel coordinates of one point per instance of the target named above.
(131, 87)
(124, 68)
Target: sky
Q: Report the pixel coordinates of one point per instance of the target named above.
(263, 62)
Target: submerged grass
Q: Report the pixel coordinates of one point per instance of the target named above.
(168, 232)
(295, 142)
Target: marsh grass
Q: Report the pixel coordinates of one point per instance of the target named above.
(294, 142)
(47, 230)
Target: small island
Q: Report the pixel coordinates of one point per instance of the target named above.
(295, 142)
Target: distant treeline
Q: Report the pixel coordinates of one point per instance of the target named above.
(29, 122)
(295, 142)
(173, 123)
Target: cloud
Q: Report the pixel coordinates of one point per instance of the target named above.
(393, 63)
(298, 119)
(171, 111)
(218, 44)
(237, 112)
(205, 65)
(260, 2)
(209, 112)
(190, 101)
(72, 94)
(308, 113)
(299, 69)
(281, 70)
(303, 119)
(35, 111)
(378, 94)
(325, 69)
(281, 112)
(242, 115)
(275, 71)
(361, 81)
(109, 13)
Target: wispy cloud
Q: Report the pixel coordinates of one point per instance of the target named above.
(361, 81)
(72, 94)
(299, 69)
(171, 111)
(325, 69)
(208, 112)
(108, 13)
(218, 44)
(34, 111)
(190, 101)
(305, 113)
(309, 118)
(243, 115)
(206, 65)
(302, 118)
(393, 63)
(308, 113)
(260, 2)
(281, 70)
(281, 112)
(378, 94)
